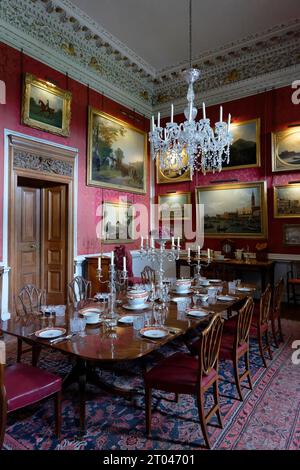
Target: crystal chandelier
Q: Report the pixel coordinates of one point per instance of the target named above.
(191, 144)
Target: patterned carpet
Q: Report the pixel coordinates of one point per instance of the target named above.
(268, 418)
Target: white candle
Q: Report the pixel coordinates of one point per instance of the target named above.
(208, 253)
(152, 123)
(142, 242)
(189, 252)
(203, 110)
(99, 262)
(173, 241)
(221, 113)
(112, 258)
(198, 250)
(229, 119)
(158, 119)
(172, 112)
(124, 263)
(152, 242)
(178, 242)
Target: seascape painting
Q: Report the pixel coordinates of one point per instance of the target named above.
(245, 148)
(45, 106)
(287, 201)
(286, 150)
(117, 154)
(235, 210)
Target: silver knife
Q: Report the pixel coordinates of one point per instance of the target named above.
(57, 340)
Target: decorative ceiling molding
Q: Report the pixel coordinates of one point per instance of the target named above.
(58, 33)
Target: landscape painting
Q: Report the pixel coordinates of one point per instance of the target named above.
(175, 173)
(234, 210)
(286, 150)
(45, 106)
(245, 148)
(291, 235)
(176, 206)
(117, 154)
(117, 224)
(287, 201)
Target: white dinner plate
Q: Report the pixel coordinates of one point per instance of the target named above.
(127, 320)
(179, 299)
(197, 313)
(215, 281)
(225, 298)
(137, 307)
(89, 310)
(244, 289)
(50, 333)
(154, 333)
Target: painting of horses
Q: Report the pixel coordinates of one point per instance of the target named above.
(45, 106)
(117, 154)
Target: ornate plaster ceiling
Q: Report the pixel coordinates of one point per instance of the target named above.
(134, 50)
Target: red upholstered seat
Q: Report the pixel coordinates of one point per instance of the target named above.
(25, 385)
(253, 329)
(227, 346)
(177, 372)
(294, 281)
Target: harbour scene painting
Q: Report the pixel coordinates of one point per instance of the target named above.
(286, 150)
(234, 209)
(117, 155)
(287, 200)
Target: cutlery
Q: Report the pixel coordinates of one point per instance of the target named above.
(58, 340)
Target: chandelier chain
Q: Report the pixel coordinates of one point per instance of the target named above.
(190, 32)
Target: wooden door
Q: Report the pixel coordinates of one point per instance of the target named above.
(54, 252)
(28, 201)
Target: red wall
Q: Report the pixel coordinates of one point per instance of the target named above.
(12, 65)
(276, 111)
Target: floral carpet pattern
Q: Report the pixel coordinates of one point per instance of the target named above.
(268, 418)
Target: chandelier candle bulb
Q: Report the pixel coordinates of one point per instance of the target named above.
(99, 263)
(152, 123)
(203, 110)
(221, 113)
(229, 119)
(112, 258)
(124, 263)
(158, 119)
(172, 113)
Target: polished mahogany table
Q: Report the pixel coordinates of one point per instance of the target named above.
(227, 266)
(100, 348)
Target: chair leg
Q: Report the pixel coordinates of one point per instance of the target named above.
(216, 398)
(261, 349)
(19, 350)
(201, 411)
(268, 345)
(280, 330)
(3, 418)
(274, 333)
(247, 366)
(57, 405)
(237, 378)
(148, 404)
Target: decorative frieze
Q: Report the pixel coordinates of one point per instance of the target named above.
(30, 161)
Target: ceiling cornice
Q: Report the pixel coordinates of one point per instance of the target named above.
(58, 33)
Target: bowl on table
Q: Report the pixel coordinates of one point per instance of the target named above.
(137, 297)
(182, 285)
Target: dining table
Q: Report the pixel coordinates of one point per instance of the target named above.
(100, 347)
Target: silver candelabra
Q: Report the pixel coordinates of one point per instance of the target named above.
(198, 265)
(116, 282)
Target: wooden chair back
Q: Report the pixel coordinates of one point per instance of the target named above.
(277, 298)
(148, 275)
(209, 345)
(264, 305)
(79, 289)
(244, 322)
(29, 300)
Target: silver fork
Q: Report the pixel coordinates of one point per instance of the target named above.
(58, 340)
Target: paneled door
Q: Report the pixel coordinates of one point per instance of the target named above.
(28, 236)
(54, 234)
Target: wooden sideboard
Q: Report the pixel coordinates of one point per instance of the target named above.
(90, 272)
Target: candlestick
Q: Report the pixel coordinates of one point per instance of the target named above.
(124, 263)
(178, 241)
(173, 243)
(208, 253)
(112, 258)
(99, 262)
(198, 250)
(189, 252)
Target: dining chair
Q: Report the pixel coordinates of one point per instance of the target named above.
(79, 289)
(275, 312)
(235, 343)
(260, 323)
(183, 373)
(148, 275)
(22, 385)
(120, 252)
(28, 302)
(293, 282)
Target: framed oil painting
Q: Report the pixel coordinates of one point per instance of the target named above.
(236, 210)
(175, 174)
(45, 106)
(245, 148)
(286, 150)
(175, 206)
(287, 201)
(117, 154)
(117, 222)
(291, 235)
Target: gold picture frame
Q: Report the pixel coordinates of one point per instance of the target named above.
(112, 215)
(244, 132)
(175, 198)
(173, 175)
(117, 154)
(286, 150)
(286, 205)
(45, 106)
(230, 216)
(291, 235)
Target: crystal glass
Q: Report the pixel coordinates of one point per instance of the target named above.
(81, 326)
(74, 324)
(138, 322)
(231, 287)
